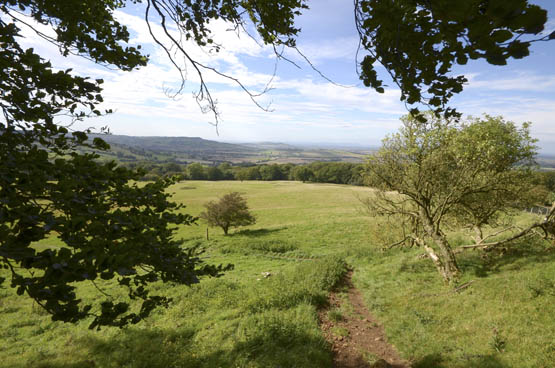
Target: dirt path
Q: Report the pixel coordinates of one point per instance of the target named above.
(355, 335)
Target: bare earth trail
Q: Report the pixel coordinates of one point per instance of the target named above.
(357, 333)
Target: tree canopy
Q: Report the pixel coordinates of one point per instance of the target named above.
(417, 41)
(230, 211)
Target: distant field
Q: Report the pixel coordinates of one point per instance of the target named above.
(504, 319)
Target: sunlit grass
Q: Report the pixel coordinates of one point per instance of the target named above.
(246, 319)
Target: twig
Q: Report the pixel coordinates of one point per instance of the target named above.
(455, 290)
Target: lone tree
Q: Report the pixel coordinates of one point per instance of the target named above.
(437, 174)
(230, 211)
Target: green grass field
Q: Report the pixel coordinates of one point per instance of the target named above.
(302, 235)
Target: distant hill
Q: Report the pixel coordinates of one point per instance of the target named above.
(194, 149)
(174, 144)
(185, 150)
(546, 161)
(271, 146)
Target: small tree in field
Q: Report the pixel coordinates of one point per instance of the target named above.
(230, 211)
(439, 174)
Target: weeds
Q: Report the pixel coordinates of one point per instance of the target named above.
(497, 342)
(339, 331)
(335, 315)
(542, 286)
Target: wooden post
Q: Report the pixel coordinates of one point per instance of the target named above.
(207, 238)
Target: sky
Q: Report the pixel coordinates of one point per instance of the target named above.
(303, 107)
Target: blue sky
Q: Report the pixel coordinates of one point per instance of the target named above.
(305, 108)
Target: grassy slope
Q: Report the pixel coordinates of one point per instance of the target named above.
(504, 319)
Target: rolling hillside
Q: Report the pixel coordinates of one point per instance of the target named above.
(194, 149)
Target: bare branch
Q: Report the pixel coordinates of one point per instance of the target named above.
(529, 231)
(313, 67)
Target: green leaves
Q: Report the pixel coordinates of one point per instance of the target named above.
(437, 175)
(419, 41)
(464, 173)
(230, 211)
(518, 49)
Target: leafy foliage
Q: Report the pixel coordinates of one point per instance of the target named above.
(419, 42)
(109, 226)
(230, 211)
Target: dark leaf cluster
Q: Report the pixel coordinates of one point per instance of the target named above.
(420, 41)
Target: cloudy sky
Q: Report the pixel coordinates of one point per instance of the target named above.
(303, 106)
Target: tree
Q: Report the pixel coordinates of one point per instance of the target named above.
(302, 173)
(271, 172)
(214, 173)
(417, 41)
(253, 173)
(226, 170)
(196, 171)
(443, 173)
(109, 226)
(172, 168)
(241, 173)
(230, 211)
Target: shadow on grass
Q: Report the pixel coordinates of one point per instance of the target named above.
(168, 348)
(481, 361)
(257, 232)
(514, 256)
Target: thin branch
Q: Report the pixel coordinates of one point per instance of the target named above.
(203, 93)
(499, 232)
(313, 67)
(100, 290)
(390, 246)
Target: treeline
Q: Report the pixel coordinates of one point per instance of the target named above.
(316, 172)
(544, 182)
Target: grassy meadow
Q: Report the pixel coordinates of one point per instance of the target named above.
(304, 236)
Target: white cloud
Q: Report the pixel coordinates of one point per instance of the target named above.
(519, 81)
(330, 49)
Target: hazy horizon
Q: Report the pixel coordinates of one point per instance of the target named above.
(543, 151)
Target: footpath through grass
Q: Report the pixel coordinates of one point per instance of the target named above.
(304, 231)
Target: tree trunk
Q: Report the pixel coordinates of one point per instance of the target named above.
(450, 266)
(445, 261)
(225, 229)
(479, 235)
(435, 258)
